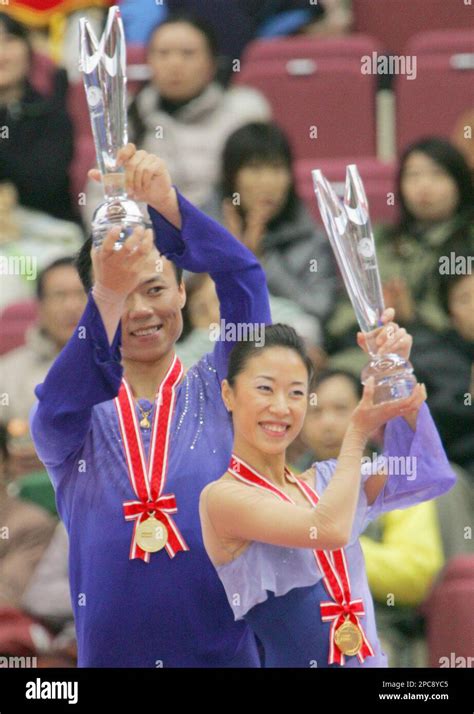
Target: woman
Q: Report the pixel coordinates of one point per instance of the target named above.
(435, 194)
(262, 548)
(39, 150)
(257, 202)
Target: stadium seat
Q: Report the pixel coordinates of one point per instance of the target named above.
(378, 178)
(326, 106)
(448, 612)
(393, 22)
(433, 102)
(14, 321)
(441, 42)
(297, 48)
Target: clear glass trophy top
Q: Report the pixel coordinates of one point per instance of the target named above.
(103, 67)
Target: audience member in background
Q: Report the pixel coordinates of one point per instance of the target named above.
(61, 301)
(327, 18)
(257, 202)
(25, 531)
(403, 549)
(462, 136)
(36, 145)
(445, 362)
(201, 318)
(30, 240)
(182, 114)
(436, 218)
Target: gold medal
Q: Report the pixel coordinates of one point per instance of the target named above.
(151, 535)
(145, 422)
(348, 638)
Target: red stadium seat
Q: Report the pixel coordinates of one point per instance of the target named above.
(326, 106)
(441, 41)
(378, 178)
(433, 102)
(14, 321)
(448, 612)
(393, 22)
(298, 48)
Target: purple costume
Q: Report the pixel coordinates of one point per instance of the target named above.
(278, 590)
(170, 612)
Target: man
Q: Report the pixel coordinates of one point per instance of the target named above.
(134, 607)
(61, 302)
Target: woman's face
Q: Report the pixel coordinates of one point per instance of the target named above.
(269, 399)
(327, 422)
(430, 193)
(461, 306)
(263, 187)
(180, 61)
(14, 60)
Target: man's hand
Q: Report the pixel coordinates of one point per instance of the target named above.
(147, 180)
(119, 270)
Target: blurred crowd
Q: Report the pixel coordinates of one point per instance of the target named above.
(227, 153)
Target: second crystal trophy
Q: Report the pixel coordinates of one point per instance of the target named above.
(103, 67)
(349, 231)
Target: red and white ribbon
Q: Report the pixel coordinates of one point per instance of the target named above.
(332, 564)
(148, 477)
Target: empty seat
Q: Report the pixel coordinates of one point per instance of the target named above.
(326, 106)
(441, 41)
(378, 178)
(14, 321)
(393, 22)
(290, 48)
(433, 102)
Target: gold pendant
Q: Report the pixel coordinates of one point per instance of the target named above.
(145, 422)
(348, 638)
(151, 535)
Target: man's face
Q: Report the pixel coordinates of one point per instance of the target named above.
(152, 320)
(326, 423)
(62, 304)
(180, 61)
(461, 306)
(14, 59)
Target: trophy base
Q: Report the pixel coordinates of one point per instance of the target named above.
(393, 377)
(112, 213)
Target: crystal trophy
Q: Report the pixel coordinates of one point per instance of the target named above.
(103, 67)
(350, 233)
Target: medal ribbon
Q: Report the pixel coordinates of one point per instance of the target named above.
(148, 477)
(332, 564)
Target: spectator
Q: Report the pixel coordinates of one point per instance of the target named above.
(61, 301)
(402, 549)
(26, 530)
(257, 202)
(38, 151)
(445, 362)
(202, 325)
(31, 239)
(182, 114)
(436, 209)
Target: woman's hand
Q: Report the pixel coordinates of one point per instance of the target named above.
(251, 234)
(367, 416)
(389, 338)
(147, 180)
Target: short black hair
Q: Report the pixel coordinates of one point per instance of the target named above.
(83, 264)
(59, 263)
(16, 29)
(277, 335)
(189, 18)
(329, 373)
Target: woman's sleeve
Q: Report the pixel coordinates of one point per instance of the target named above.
(416, 465)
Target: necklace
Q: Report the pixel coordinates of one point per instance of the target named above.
(145, 413)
